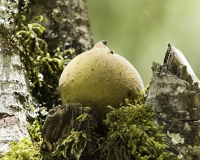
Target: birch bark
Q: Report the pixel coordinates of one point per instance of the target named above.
(15, 97)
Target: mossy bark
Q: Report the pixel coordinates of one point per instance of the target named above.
(174, 96)
(174, 92)
(68, 131)
(66, 23)
(67, 34)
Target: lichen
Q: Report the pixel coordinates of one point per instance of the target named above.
(175, 138)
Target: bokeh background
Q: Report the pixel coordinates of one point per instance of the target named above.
(131, 33)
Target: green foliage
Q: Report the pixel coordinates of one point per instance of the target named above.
(133, 135)
(23, 150)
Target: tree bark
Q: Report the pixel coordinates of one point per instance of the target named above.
(66, 27)
(15, 97)
(66, 22)
(174, 95)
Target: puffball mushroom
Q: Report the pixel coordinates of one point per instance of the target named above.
(98, 78)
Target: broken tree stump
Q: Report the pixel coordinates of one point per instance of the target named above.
(174, 95)
(68, 132)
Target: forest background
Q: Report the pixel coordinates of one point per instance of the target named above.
(133, 34)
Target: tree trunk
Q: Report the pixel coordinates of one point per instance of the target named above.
(15, 97)
(66, 29)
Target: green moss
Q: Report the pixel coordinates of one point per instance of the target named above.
(133, 135)
(43, 64)
(71, 145)
(27, 148)
(42, 68)
(34, 130)
(23, 150)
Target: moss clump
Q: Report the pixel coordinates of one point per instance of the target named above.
(23, 150)
(43, 61)
(71, 145)
(42, 68)
(133, 135)
(26, 149)
(34, 130)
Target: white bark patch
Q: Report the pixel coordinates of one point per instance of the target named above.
(14, 99)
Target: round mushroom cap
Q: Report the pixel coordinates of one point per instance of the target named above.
(98, 78)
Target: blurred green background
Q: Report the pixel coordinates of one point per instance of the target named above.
(132, 34)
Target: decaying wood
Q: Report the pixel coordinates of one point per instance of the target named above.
(174, 94)
(178, 65)
(61, 120)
